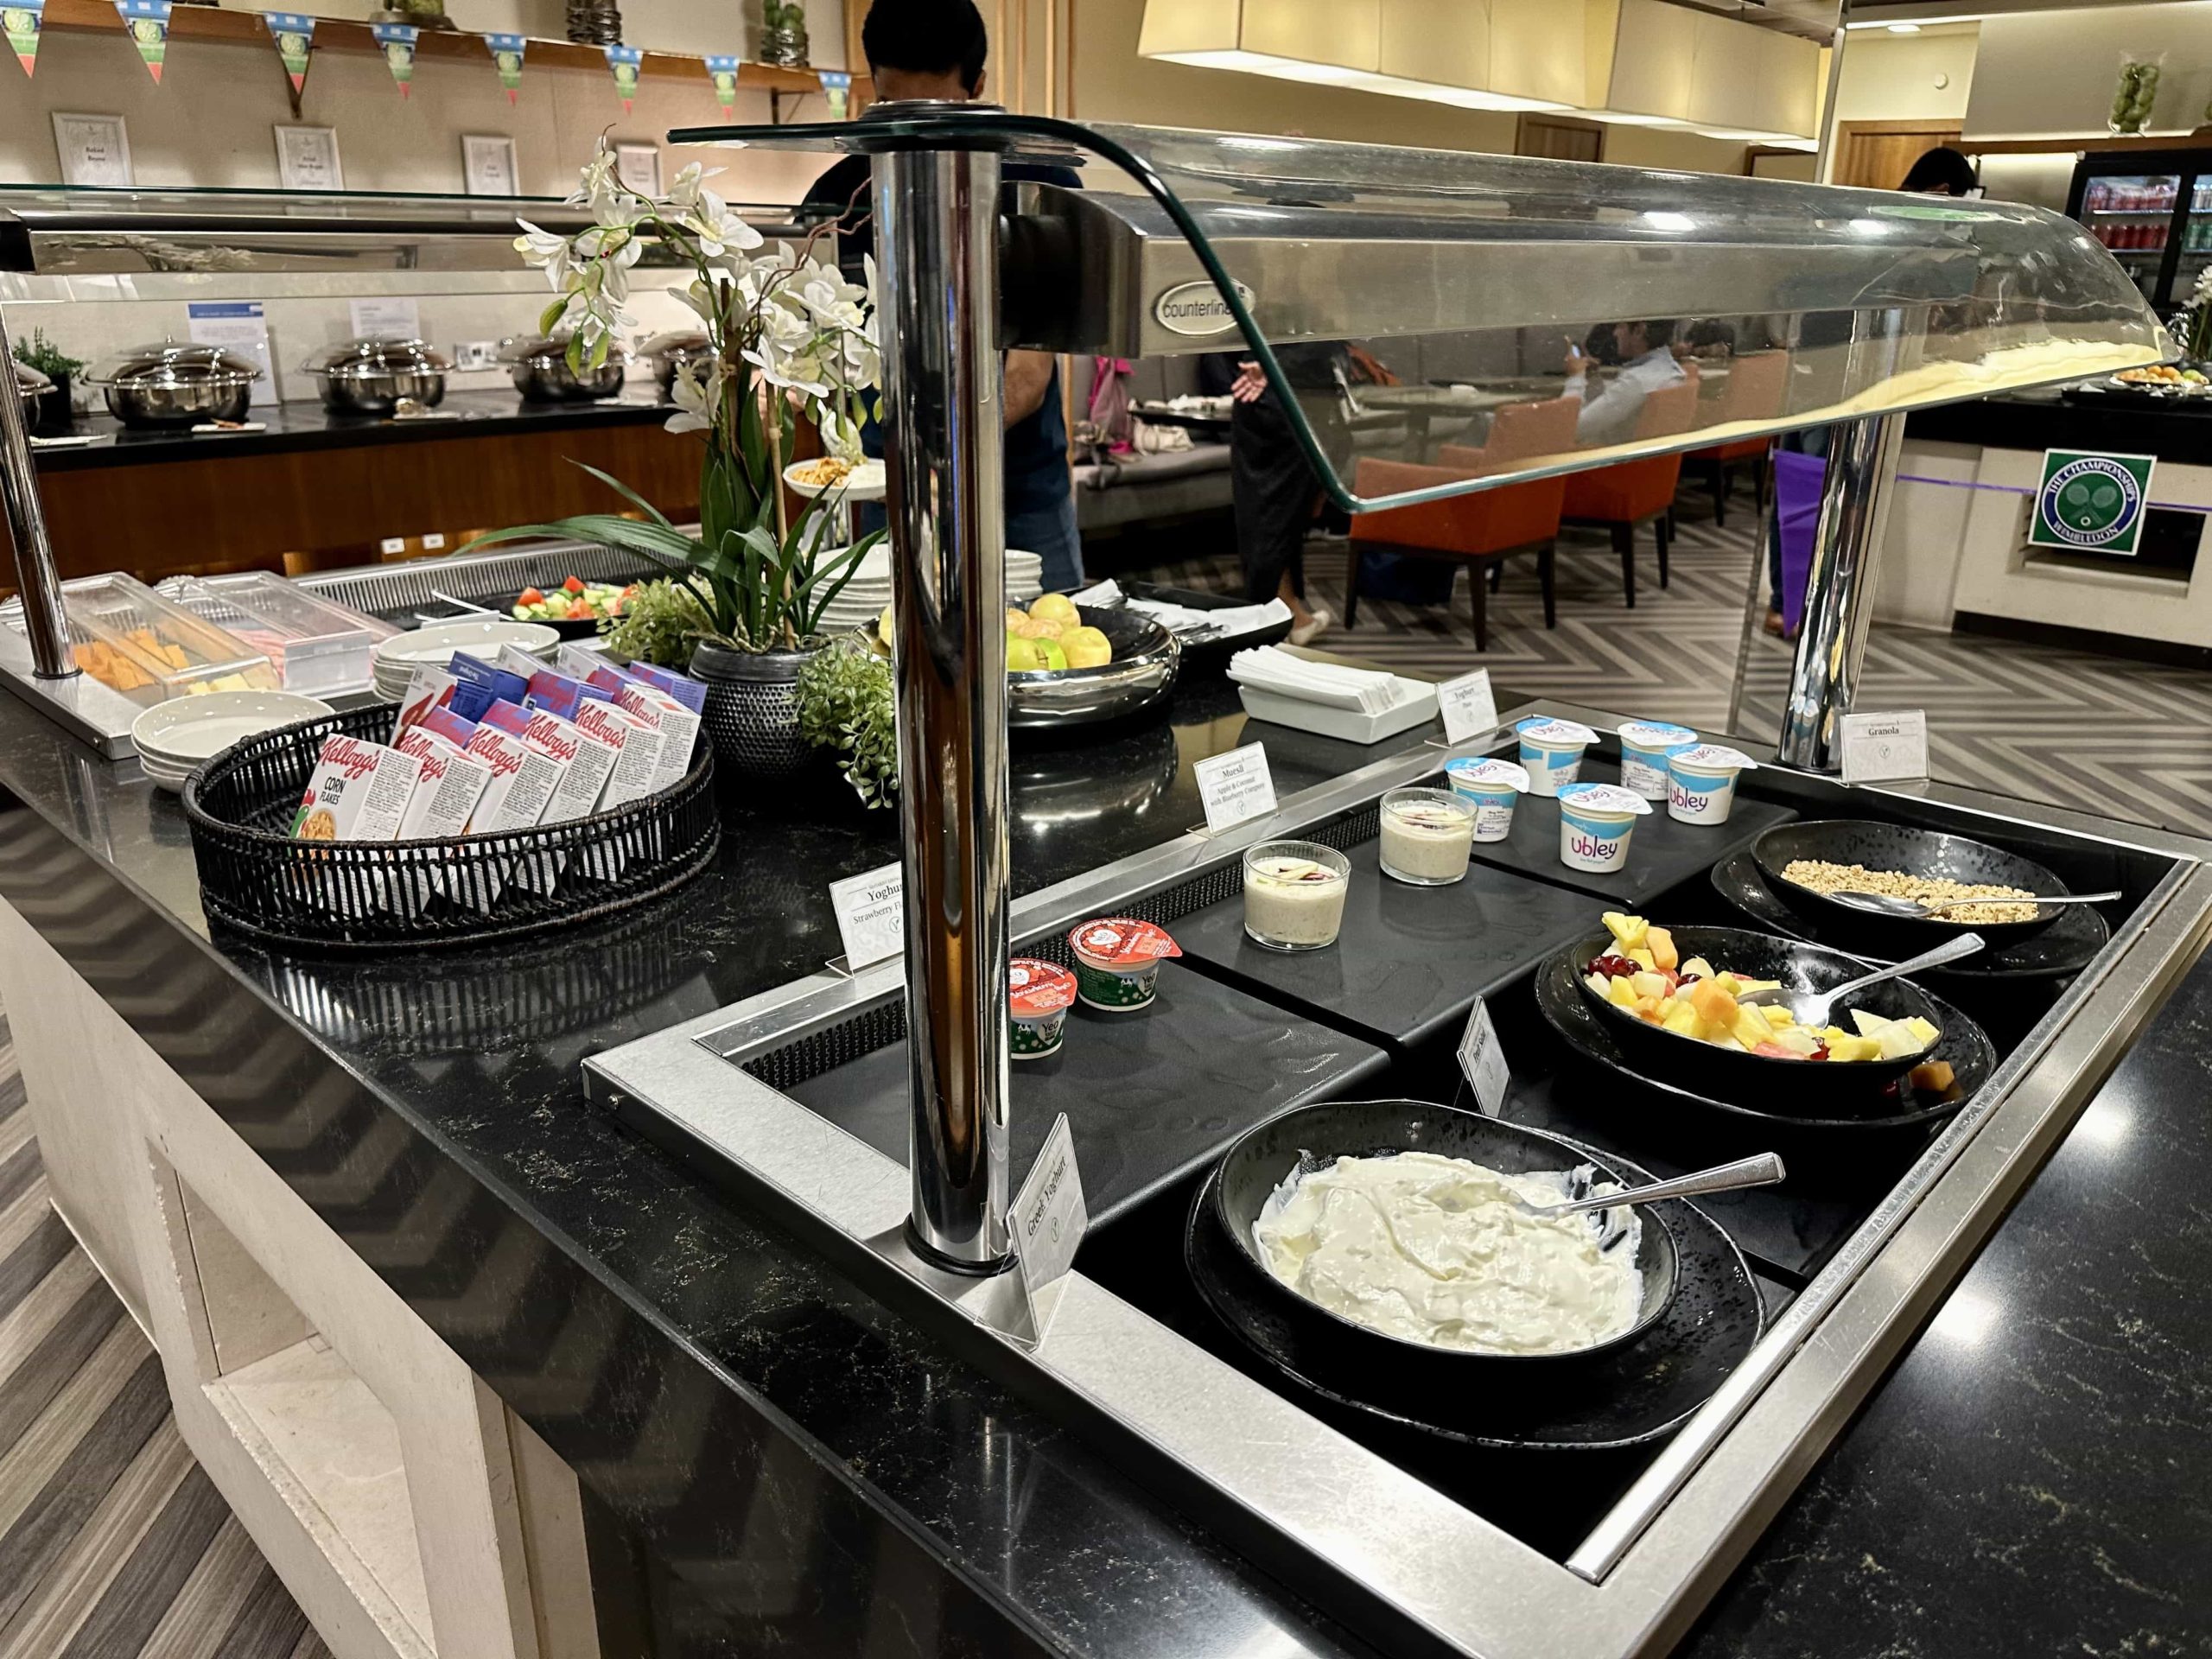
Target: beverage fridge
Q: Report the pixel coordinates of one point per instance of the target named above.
(2153, 209)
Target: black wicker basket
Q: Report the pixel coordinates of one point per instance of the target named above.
(463, 890)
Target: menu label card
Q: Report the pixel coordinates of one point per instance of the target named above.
(1469, 707)
(1049, 1217)
(1235, 787)
(385, 319)
(1885, 748)
(1484, 1061)
(871, 910)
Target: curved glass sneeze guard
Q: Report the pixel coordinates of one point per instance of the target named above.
(1450, 321)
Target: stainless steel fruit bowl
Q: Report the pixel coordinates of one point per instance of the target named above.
(1147, 658)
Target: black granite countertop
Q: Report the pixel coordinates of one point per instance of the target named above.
(2172, 430)
(773, 1462)
(307, 425)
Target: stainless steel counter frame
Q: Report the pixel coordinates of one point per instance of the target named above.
(1421, 1571)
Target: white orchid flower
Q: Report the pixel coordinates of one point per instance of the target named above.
(695, 403)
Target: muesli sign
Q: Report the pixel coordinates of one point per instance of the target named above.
(2091, 503)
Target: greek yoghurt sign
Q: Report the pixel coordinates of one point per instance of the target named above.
(2090, 502)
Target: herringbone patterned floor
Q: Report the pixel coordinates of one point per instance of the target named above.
(2123, 739)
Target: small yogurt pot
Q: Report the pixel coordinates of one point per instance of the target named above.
(1702, 782)
(1645, 745)
(1295, 894)
(1424, 835)
(1038, 996)
(1594, 821)
(1551, 751)
(1118, 962)
(1495, 787)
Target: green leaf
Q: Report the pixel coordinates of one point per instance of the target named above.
(626, 493)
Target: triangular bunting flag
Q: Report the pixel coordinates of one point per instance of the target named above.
(506, 57)
(723, 73)
(294, 33)
(624, 62)
(397, 40)
(23, 20)
(147, 22)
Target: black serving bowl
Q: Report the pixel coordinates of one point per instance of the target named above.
(1911, 851)
(1309, 1138)
(1809, 1088)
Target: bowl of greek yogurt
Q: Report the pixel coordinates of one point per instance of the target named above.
(1645, 745)
(1295, 894)
(1414, 1231)
(1551, 752)
(1425, 836)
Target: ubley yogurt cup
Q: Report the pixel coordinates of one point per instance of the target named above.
(1551, 750)
(1702, 783)
(1594, 822)
(1645, 745)
(1494, 787)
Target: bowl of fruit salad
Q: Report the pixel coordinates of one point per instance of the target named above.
(577, 608)
(1675, 998)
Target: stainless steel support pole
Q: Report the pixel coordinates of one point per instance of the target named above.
(1840, 592)
(937, 241)
(35, 578)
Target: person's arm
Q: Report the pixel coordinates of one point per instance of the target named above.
(1027, 376)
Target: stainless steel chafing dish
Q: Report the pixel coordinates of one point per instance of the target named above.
(372, 377)
(171, 384)
(677, 350)
(538, 365)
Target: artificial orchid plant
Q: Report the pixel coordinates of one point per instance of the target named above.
(791, 337)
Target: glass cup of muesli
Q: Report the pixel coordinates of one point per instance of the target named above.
(1295, 894)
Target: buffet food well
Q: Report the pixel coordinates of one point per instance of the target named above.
(808, 1100)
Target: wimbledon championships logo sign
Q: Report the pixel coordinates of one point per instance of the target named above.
(2094, 503)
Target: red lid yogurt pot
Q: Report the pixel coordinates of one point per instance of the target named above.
(1117, 961)
(1038, 996)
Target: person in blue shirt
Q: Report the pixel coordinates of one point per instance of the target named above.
(936, 49)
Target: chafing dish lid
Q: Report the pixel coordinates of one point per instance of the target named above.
(29, 382)
(367, 359)
(171, 364)
(682, 344)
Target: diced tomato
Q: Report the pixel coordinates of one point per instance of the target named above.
(530, 596)
(578, 611)
(1820, 1054)
(573, 585)
(1776, 1052)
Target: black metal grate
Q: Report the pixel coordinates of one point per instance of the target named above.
(255, 877)
(884, 1023)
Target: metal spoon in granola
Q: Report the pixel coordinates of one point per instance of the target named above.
(1891, 904)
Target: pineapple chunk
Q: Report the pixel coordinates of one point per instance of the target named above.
(1896, 1041)
(1854, 1048)
(1628, 932)
(1620, 993)
(1662, 945)
(1648, 984)
(1725, 1041)
(1598, 985)
(1750, 1028)
(1681, 1019)
(1924, 1030)
(1699, 966)
(1869, 1024)
(1776, 1017)
(1647, 1009)
(1642, 958)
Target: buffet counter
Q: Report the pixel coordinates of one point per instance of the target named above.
(1967, 478)
(582, 1390)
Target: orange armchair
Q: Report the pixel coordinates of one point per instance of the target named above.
(1517, 432)
(1625, 494)
(1472, 530)
(1758, 387)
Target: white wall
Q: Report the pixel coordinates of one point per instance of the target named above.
(1894, 77)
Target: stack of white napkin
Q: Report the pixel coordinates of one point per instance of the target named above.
(1365, 691)
(1231, 619)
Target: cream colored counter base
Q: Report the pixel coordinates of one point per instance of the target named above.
(1960, 543)
(408, 1511)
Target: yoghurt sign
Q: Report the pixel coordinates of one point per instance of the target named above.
(2091, 502)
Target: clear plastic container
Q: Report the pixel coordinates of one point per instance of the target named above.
(1295, 894)
(132, 639)
(316, 647)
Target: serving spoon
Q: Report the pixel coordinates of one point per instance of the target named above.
(1764, 1170)
(1812, 1007)
(1891, 904)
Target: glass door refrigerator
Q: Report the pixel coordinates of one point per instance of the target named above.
(2153, 209)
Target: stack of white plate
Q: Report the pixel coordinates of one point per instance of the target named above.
(862, 599)
(175, 737)
(395, 659)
